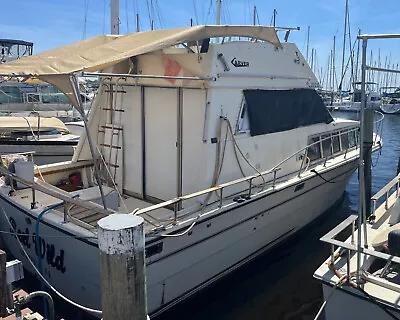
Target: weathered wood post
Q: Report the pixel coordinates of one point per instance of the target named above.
(122, 267)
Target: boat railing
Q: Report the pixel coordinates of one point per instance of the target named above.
(176, 203)
(385, 192)
(340, 248)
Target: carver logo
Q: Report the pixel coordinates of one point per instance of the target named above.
(239, 64)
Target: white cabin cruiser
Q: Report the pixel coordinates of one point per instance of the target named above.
(374, 99)
(224, 148)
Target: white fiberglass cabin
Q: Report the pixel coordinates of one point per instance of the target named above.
(220, 143)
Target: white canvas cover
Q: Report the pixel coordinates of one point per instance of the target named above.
(23, 124)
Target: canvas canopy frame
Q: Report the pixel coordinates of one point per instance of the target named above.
(59, 66)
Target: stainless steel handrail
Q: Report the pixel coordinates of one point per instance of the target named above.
(241, 180)
(177, 200)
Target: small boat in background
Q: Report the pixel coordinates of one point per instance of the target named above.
(48, 138)
(393, 107)
(391, 100)
(353, 102)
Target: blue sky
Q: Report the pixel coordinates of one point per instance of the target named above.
(53, 23)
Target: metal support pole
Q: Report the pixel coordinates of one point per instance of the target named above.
(114, 16)
(122, 267)
(75, 86)
(361, 195)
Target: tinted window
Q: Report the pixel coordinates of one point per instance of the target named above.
(326, 145)
(352, 139)
(345, 140)
(314, 151)
(336, 143)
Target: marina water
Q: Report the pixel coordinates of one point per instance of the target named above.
(279, 284)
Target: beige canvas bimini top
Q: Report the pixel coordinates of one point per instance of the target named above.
(103, 51)
(95, 54)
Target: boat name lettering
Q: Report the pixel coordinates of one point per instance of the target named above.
(240, 64)
(47, 250)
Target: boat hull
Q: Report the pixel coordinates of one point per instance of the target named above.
(46, 151)
(348, 304)
(389, 108)
(215, 246)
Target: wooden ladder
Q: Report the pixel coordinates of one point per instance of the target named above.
(111, 137)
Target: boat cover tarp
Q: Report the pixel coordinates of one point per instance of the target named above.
(280, 110)
(26, 124)
(103, 51)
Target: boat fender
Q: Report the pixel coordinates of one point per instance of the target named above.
(395, 213)
(394, 242)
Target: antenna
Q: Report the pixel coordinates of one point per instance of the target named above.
(114, 16)
(218, 14)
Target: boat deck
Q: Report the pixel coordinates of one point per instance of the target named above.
(389, 293)
(88, 216)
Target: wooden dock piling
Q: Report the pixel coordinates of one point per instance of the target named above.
(122, 267)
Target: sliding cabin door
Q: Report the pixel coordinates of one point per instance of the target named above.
(161, 138)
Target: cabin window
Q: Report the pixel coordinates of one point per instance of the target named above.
(335, 142)
(314, 150)
(154, 249)
(243, 123)
(345, 140)
(326, 145)
(10, 94)
(358, 136)
(352, 139)
(270, 111)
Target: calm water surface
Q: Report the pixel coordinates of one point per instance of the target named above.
(279, 284)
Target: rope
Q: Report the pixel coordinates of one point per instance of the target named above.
(29, 125)
(184, 232)
(112, 180)
(328, 181)
(339, 282)
(93, 311)
(241, 153)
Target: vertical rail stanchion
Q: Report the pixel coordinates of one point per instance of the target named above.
(348, 265)
(353, 227)
(387, 200)
(175, 212)
(250, 181)
(220, 198)
(273, 183)
(332, 253)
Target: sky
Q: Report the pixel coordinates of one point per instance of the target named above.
(53, 23)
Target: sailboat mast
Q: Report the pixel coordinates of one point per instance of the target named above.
(254, 15)
(358, 54)
(308, 42)
(114, 16)
(333, 63)
(218, 15)
(344, 41)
